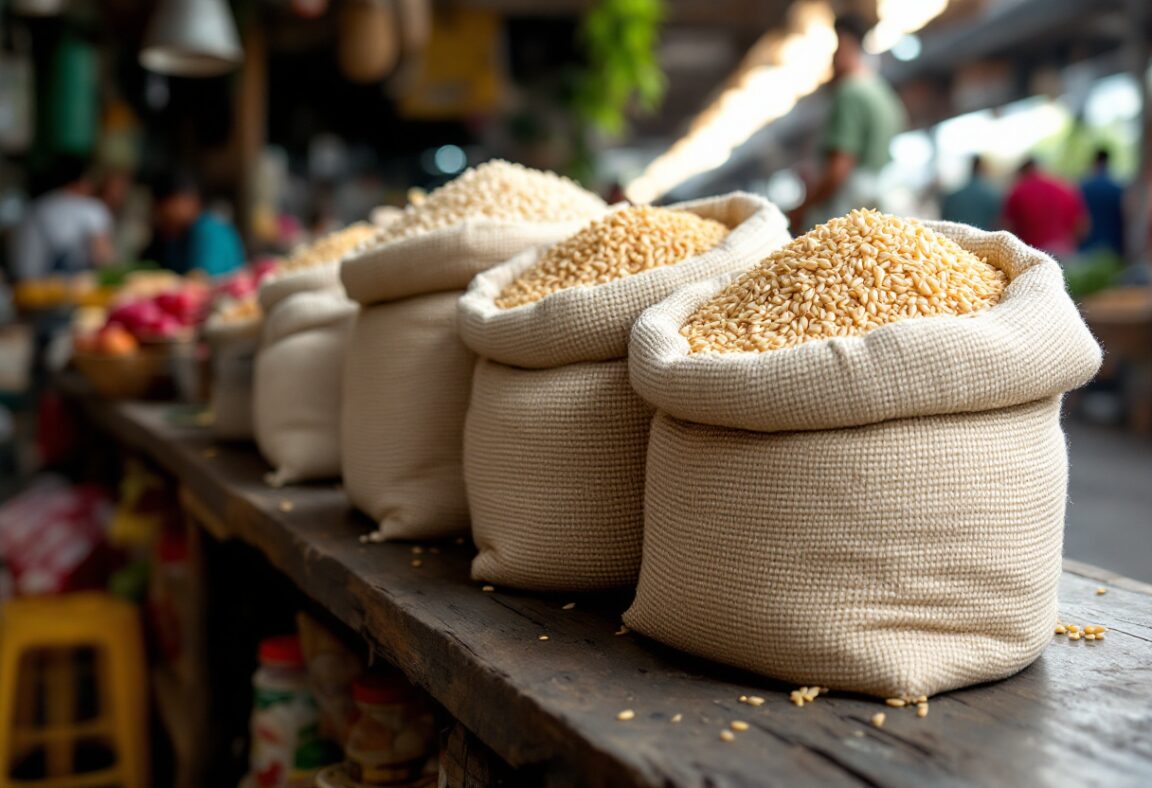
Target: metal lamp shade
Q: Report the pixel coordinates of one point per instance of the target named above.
(192, 38)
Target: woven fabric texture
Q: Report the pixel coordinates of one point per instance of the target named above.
(297, 386)
(442, 260)
(406, 382)
(897, 559)
(554, 466)
(1031, 345)
(593, 323)
(881, 514)
(279, 287)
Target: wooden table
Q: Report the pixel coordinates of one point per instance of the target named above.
(1082, 714)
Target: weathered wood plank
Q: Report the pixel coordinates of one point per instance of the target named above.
(1083, 711)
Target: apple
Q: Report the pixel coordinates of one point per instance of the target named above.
(116, 340)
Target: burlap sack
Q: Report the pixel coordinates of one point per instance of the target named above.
(881, 513)
(297, 386)
(233, 348)
(283, 285)
(555, 440)
(407, 375)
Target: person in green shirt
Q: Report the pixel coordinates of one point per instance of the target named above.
(865, 115)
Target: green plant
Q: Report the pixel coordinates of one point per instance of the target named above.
(619, 39)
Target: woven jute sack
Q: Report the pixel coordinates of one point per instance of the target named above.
(297, 386)
(555, 440)
(407, 375)
(233, 348)
(281, 286)
(882, 513)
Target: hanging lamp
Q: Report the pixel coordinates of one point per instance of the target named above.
(192, 38)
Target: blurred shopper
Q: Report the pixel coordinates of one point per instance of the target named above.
(866, 114)
(129, 203)
(1045, 212)
(66, 230)
(977, 202)
(1104, 197)
(185, 236)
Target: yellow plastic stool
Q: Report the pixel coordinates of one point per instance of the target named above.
(47, 633)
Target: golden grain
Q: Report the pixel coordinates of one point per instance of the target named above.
(626, 242)
(847, 277)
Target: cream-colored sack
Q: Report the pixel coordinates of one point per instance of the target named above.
(556, 438)
(233, 346)
(298, 386)
(881, 513)
(281, 286)
(407, 375)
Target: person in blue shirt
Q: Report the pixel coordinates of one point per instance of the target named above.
(977, 202)
(186, 237)
(1104, 197)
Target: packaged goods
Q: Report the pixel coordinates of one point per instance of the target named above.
(297, 386)
(407, 374)
(286, 749)
(394, 738)
(555, 438)
(880, 512)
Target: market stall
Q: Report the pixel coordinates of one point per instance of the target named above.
(545, 682)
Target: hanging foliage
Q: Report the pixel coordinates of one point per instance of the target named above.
(619, 39)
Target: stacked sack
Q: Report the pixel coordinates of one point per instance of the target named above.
(840, 495)
(233, 334)
(556, 438)
(297, 383)
(407, 374)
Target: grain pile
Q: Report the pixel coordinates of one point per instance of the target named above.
(235, 311)
(849, 276)
(623, 243)
(329, 248)
(500, 191)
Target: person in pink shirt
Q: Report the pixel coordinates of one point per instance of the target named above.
(1045, 212)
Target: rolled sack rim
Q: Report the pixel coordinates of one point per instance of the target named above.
(1033, 344)
(278, 288)
(577, 323)
(378, 274)
(305, 311)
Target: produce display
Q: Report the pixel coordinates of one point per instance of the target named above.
(805, 506)
(552, 414)
(849, 276)
(626, 242)
(497, 190)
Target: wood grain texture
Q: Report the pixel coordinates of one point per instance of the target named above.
(1083, 712)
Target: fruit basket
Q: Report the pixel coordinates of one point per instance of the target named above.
(128, 376)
